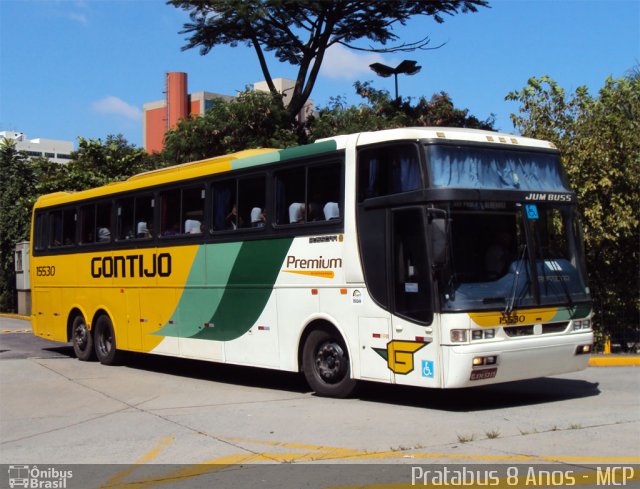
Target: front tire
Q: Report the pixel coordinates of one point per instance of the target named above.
(326, 365)
(82, 339)
(104, 338)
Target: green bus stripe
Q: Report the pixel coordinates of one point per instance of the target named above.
(240, 279)
(285, 154)
(308, 150)
(250, 285)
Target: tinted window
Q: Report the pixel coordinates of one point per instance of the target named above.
(135, 217)
(62, 228)
(310, 194)
(388, 170)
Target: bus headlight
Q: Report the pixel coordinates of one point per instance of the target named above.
(479, 334)
(583, 349)
(581, 324)
(458, 336)
(488, 360)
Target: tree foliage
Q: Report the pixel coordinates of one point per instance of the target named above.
(380, 111)
(22, 180)
(299, 33)
(97, 163)
(599, 139)
(17, 186)
(251, 120)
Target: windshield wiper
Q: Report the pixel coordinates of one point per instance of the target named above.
(514, 287)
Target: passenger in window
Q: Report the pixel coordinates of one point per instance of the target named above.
(172, 231)
(315, 212)
(233, 221)
(258, 217)
(296, 213)
(192, 226)
(104, 235)
(142, 230)
(331, 211)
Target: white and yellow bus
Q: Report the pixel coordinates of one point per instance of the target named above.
(430, 257)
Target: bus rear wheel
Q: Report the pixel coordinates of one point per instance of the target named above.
(82, 339)
(325, 361)
(104, 338)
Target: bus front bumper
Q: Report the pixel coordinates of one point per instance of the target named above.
(515, 359)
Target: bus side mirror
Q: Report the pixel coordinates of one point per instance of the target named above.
(438, 232)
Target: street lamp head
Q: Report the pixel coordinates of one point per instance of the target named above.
(382, 70)
(408, 67)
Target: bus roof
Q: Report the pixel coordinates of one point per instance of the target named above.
(254, 157)
(452, 134)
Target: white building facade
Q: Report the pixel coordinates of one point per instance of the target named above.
(56, 150)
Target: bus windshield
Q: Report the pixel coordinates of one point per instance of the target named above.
(507, 255)
(492, 168)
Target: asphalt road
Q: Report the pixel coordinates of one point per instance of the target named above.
(234, 426)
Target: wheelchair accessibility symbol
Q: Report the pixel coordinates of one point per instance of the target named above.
(427, 369)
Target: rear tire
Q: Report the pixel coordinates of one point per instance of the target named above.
(326, 365)
(104, 339)
(82, 339)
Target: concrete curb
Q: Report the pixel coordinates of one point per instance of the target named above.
(614, 361)
(14, 316)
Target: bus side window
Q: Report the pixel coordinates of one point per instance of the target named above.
(225, 206)
(62, 225)
(40, 232)
(87, 224)
(323, 183)
(103, 222)
(388, 170)
(193, 210)
(143, 216)
(170, 213)
(290, 196)
(124, 210)
(310, 194)
(251, 201)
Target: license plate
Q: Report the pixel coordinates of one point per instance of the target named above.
(487, 373)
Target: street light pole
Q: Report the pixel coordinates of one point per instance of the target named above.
(407, 67)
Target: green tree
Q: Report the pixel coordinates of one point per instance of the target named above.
(599, 139)
(17, 188)
(251, 120)
(97, 163)
(22, 181)
(380, 111)
(299, 33)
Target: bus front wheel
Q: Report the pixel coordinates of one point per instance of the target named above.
(82, 339)
(104, 338)
(325, 361)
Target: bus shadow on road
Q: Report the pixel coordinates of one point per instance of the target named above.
(510, 394)
(218, 372)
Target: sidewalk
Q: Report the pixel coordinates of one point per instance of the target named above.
(13, 323)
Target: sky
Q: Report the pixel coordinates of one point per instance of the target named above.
(84, 68)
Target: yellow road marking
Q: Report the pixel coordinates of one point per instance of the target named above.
(311, 453)
(164, 443)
